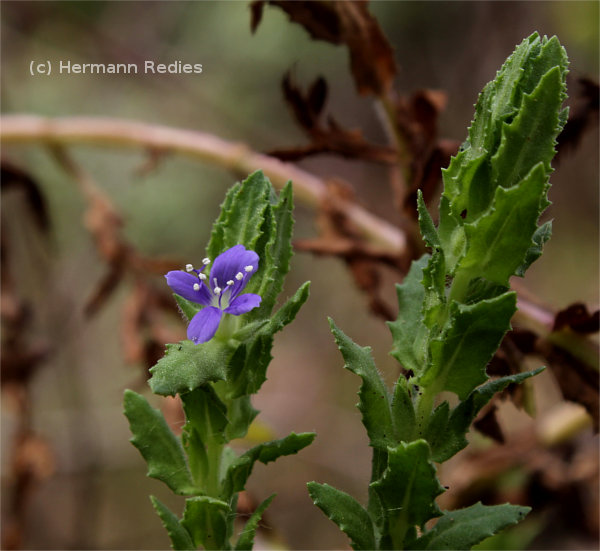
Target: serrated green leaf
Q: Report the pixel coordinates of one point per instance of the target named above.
(464, 528)
(217, 239)
(241, 468)
(205, 518)
(256, 351)
(205, 428)
(246, 539)
(277, 253)
(349, 515)
(160, 448)
(530, 138)
(186, 366)
(242, 216)
(408, 331)
(428, 231)
(179, 536)
(517, 118)
(498, 243)
(374, 395)
(446, 436)
(452, 235)
(434, 282)
(409, 485)
(205, 413)
(403, 412)
(541, 235)
(472, 335)
(241, 414)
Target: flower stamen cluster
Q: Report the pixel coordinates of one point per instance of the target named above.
(229, 275)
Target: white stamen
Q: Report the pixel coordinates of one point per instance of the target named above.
(196, 286)
(206, 261)
(189, 268)
(217, 290)
(230, 283)
(248, 268)
(239, 276)
(202, 276)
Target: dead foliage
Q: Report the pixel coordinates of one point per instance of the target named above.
(338, 237)
(559, 481)
(583, 114)
(326, 134)
(372, 60)
(424, 153)
(23, 354)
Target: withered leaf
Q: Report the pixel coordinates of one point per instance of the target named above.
(583, 114)
(350, 23)
(577, 318)
(329, 136)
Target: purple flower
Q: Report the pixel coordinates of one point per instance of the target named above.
(219, 292)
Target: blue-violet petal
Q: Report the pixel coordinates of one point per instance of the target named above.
(243, 304)
(204, 324)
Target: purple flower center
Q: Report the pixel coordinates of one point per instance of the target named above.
(219, 291)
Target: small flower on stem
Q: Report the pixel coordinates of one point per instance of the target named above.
(219, 292)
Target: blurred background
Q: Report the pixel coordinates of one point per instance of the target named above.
(87, 487)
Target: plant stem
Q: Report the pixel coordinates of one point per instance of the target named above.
(100, 131)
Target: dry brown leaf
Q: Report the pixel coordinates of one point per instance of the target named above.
(371, 57)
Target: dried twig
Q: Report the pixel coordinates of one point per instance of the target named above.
(23, 129)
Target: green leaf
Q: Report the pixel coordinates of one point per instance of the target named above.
(452, 235)
(186, 366)
(409, 485)
(434, 282)
(205, 428)
(160, 448)
(180, 537)
(530, 137)
(242, 216)
(403, 412)
(349, 515)
(217, 239)
(206, 519)
(240, 469)
(374, 395)
(241, 414)
(248, 367)
(464, 528)
(541, 235)
(408, 331)
(472, 335)
(206, 414)
(428, 231)
(246, 539)
(446, 433)
(277, 253)
(498, 243)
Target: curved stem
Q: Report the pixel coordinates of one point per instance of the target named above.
(311, 190)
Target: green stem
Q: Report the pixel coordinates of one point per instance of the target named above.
(213, 481)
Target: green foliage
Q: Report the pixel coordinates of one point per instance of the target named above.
(246, 539)
(463, 528)
(158, 445)
(454, 308)
(239, 469)
(180, 537)
(346, 512)
(216, 379)
(186, 366)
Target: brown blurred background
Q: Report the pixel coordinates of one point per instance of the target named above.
(89, 489)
